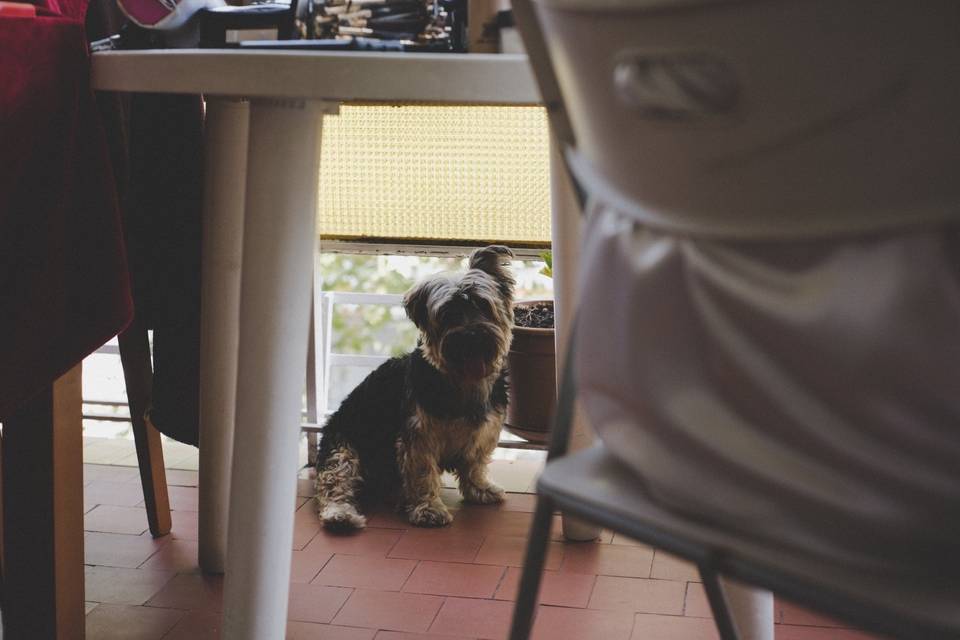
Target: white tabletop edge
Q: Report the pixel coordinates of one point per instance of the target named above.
(335, 75)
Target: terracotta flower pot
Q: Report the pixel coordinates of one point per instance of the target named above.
(533, 383)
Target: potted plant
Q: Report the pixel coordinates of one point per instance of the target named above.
(532, 365)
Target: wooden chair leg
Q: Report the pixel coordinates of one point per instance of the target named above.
(138, 375)
(43, 515)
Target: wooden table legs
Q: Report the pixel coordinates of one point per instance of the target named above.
(42, 472)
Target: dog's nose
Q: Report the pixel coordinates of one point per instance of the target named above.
(467, 344)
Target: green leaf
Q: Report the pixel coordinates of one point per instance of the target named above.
(547, 270)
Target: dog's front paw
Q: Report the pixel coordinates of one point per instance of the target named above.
(490, 494)
(430, 515)
(342, 516)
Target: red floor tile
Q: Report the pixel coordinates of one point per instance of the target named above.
(365, 542)
(619, 538)
(184, 525)
(315, 603)
(94, 472)
(306, 488)
(558, 623)
(304, 566)
(489, 519)
(457, 582)
(306, 525)
(311, 631)
(648, 626)
(638, 594)
(800, 632)
(402, 635)
(607, 560)
(455, 579)
(119, 550)
(195, 625)
(109, 519)
(120, 622)
(696, 604)
(117, 494)
(182, 478)
(520, 502)
(183, 498)
(193, 591)
(123, 586)
(437, 544)
(474, 618)
(179, 556)
(510, 550)
(206, 625)
(557, 589)
(366, 572)
(668, 567)
(389, 610)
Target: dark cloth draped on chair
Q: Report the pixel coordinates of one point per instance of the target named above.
(64, 286)
(163, 235)
(156, 145)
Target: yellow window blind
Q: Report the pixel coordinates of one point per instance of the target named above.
(435, 173)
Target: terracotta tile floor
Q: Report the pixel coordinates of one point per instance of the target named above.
(390, 582)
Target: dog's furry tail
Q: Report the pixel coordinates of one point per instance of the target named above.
(338, 487)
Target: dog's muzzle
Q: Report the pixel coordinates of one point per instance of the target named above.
(470, 352)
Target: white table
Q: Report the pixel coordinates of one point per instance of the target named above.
(263, 126)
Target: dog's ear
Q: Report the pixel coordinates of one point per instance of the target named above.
(415, 304)
(495, 260)
(491, 258)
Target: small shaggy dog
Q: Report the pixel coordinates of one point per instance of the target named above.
(438, 408)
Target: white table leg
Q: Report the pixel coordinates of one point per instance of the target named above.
(225, 167)
(752, 610)
(278, 243)
(565, 225)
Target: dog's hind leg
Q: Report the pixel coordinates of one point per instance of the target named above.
(338, 487)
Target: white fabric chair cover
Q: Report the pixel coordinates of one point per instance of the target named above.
(771, 278)
(805, 392)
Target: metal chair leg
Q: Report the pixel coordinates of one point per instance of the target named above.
(718, 604)
(533, 563)
(536, 554)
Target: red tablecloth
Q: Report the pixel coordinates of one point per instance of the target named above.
(64, 286)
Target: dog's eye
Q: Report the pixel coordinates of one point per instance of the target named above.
(450, 315)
